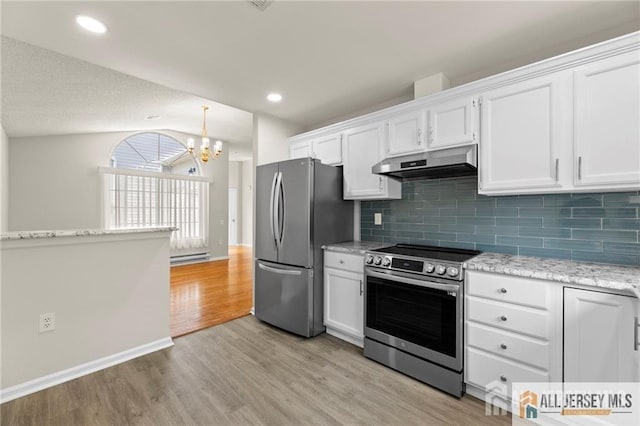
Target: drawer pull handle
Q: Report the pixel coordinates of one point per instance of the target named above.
(503, 290)
(503, 318)
(503, 379)
(503, 346)
(341, 262)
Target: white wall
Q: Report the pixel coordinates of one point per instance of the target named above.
(4, 181)
(247, 202)
(270, 138)
(53, 184)
(100, 310)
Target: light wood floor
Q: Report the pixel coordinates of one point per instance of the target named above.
(210, 293)
(245, 372)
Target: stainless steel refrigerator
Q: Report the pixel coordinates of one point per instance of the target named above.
(299, 208)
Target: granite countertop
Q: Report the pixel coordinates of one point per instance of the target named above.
(30, 235)
(615, 277)
(354, 246)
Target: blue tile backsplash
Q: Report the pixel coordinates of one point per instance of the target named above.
(594, 227)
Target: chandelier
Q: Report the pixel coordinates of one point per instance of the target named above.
(205, 150)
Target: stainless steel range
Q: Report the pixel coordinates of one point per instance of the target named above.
(414, 312)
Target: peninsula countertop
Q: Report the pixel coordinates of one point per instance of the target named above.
(609, 276)
(30, 235)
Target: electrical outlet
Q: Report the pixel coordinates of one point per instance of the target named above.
(377, 218)
(47, 322)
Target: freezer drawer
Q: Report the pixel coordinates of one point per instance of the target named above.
(284, 296)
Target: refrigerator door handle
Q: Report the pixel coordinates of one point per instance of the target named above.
(282, 200)
(278, 271)
(276, 207)
(271, 208)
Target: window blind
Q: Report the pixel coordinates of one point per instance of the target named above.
(136, 199)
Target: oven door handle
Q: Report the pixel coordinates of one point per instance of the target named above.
(411, 281)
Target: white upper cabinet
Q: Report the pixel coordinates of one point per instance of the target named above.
(363, 147)
(406, 134)
(522, 129)
(452, 123)
(328, 149)
(300, 149)
(600, 337)
(607, 123)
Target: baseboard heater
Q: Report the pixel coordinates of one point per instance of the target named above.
(189, 257)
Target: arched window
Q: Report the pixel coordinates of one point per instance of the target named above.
(153, 182)
(154, 152)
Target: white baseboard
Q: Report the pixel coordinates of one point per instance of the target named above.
(53, 379)
(213, 259)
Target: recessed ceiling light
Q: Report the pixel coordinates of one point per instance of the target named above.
(91, 24)
(274, 97)
(152, 117)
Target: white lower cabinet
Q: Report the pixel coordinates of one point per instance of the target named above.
(530, 330)
(343, 296)
(600, 337)
(511, 333)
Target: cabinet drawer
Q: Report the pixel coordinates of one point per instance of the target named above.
(346, 261)
(488, 371)
(508, 345)
(509, 317)
(506, 288)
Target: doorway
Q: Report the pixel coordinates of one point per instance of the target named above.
(233, 216)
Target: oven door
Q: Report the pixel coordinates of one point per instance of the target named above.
(419, 315)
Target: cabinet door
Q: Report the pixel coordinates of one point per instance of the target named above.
(328, 149)
(452, 123)
(406, 134)
(300, 150)
(362, 148)
(343, 302)
(607, 133)
(600, 337)
(521, 127)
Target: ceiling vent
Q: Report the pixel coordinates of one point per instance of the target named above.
(261, 4)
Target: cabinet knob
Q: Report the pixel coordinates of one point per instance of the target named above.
(503, 318)
(503, 346)
(342, 261)
(503, 379)
(503, 290)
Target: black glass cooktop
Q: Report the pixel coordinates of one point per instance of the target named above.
(429, 252)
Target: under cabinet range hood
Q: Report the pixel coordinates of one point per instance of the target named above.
(449, 162)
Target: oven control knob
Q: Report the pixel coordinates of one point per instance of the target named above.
(428, 268)
(440, 270)
(452, 271)
(369, 260)
(377, 260)
(386, 261)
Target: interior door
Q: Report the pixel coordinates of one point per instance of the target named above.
(284, 296)
(233, 216)
(294, 212)
(265, 244)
